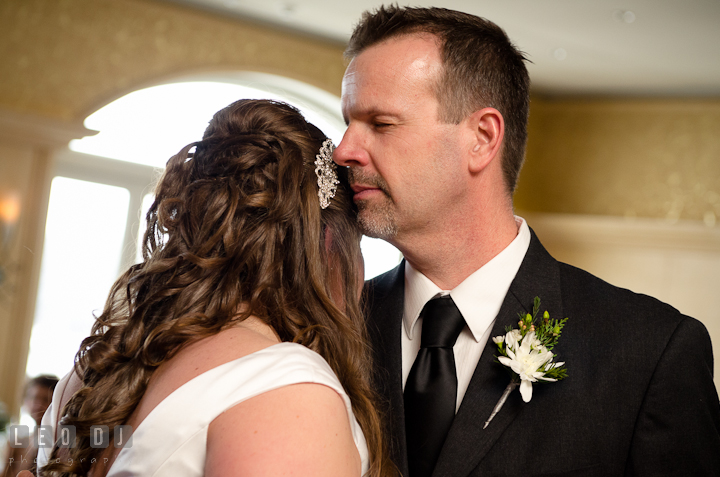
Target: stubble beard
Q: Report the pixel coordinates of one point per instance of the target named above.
(377, 218)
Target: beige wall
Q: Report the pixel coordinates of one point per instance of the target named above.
(63, 59)
(24, 182)
(16, 171)
(66, 58)
(624, 157)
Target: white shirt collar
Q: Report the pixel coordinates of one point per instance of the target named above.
(479, 297)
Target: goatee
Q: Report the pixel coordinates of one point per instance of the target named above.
(376, 218)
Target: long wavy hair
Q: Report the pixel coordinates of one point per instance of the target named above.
(236, 225)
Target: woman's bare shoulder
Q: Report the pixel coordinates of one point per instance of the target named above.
(301, 429)
(201, 356)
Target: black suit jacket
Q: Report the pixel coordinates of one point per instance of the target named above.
(639, 398)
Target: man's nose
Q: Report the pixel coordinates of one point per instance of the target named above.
(351, 152)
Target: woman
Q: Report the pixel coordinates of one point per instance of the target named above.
(237, 346)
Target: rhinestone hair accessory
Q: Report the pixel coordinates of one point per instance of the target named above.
(326, 171)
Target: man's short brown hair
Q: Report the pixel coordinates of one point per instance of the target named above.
(482, 68)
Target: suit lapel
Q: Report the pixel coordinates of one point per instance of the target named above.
(467, 442)
(384, 297)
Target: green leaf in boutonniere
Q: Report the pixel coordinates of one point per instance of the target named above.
(527, 351)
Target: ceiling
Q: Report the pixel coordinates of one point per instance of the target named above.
(586, 47)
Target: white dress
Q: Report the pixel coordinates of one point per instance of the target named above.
(171, 440)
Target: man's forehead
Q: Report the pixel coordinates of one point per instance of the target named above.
(406, 62)
(398, 53)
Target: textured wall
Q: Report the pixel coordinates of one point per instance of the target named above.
(66, 58)
(24, 175)
(633, 158)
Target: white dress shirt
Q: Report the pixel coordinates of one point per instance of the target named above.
(479, 298)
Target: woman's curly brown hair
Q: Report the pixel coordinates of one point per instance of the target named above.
(236, 225)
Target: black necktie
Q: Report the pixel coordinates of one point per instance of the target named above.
(431, 387)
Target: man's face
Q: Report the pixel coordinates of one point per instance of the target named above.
(37, 400)
(404, 163)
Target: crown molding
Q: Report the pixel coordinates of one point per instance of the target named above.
(26, 129)
(565, 230)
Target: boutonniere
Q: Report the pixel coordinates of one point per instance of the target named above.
(527, 351)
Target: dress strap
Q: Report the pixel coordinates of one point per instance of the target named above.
(194, 405)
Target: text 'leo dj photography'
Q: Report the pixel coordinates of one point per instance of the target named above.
(67, 437)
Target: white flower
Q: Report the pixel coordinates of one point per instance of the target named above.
(528, 361)
(526, 354)
(512, 338)
(534, 342)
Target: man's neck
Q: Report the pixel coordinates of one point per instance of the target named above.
(448, 260)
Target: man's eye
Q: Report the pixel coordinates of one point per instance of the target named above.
(381, 125)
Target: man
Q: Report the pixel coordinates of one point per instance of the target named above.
(37, 398)
(436, 103)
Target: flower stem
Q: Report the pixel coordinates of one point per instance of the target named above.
(503, 398)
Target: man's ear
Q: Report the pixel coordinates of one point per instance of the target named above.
(487, 129)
